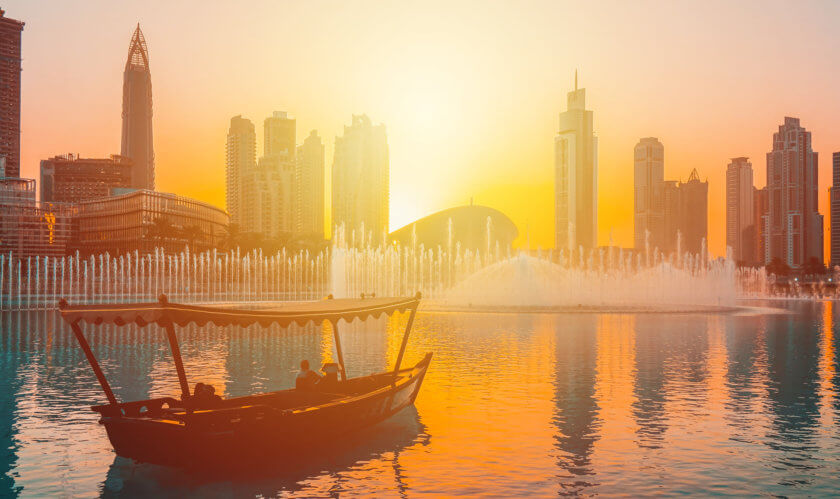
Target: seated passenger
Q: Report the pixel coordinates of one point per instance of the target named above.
(213, 400)
(330, 379)
(306, 378)
(205, 396)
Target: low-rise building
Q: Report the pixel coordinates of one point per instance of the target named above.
(36, 229)
(144, 220)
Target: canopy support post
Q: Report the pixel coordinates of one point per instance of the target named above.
(179, 364)
(80, 337)
(338, 350)
(404, 340)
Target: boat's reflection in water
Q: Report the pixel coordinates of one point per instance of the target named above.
(382, 442)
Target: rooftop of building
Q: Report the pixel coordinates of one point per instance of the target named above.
(8, 21)
(77, 158)
(18, 181)
(150, 193)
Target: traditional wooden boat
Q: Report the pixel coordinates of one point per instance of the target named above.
(267, 427)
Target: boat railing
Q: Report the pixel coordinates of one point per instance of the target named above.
(139, 408)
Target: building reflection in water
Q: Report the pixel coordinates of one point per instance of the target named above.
(793, 393)
(746, 378)
(576, 415)
(652, 350)
(11, 379)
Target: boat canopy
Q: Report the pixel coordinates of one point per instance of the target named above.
(240, 314)
(168, 315)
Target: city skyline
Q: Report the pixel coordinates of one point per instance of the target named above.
(512, 172)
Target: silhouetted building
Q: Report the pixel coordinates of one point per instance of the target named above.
(684, 221)
(70, 179)
(280, 133)
(466, 225)
(267, 191)
(10, 68)
(694, 209)
(795, 233)
(360, 178)
(760, 224)
(739, 210)
(671, 218)
(267, 198)
(309, 187)
(137, 141)
(144, 220)
(241, 157)
(576, 176)
(834, 196)
(648, 206)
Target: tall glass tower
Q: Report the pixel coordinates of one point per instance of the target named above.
(137, 114)
(10, 68)
(576, 176)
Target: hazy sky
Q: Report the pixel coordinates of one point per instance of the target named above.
(469, 91)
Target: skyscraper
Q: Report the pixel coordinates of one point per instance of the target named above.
(267, 193)
(576, 175)
(834, 195)
(360, 178)
(671, 217)
(10, 68)
(279, 131)
(739, 210)
(648, 206)
(309, 187)
(694, 209)
(241, 157)
(795, 225)
(137, 114)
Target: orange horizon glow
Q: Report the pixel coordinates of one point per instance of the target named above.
(469, 92)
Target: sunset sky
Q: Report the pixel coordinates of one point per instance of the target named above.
(469, 91)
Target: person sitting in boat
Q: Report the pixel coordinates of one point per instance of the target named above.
(205, 396)
(306, 378)
(330, 379)
(210, 393)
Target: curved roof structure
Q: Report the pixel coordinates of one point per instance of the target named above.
(469, 225)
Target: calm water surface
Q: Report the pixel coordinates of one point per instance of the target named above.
(513, 404)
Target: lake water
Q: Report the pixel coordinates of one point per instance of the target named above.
(540, 404)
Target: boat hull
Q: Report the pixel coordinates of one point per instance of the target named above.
(243, 438)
